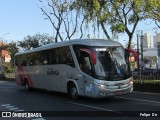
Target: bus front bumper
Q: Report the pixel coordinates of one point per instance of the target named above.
(105, 93)
(115, 89)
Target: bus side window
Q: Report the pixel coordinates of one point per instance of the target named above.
(45, 60)
(31, 61)
(65, 56)
(57, 57)
(38, 58)
(45, 57)
(69, 59)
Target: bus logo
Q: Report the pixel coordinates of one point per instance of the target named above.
(50, 71)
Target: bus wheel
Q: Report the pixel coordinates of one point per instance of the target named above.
(27, 86)
(73, 93)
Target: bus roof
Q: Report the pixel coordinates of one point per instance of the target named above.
(88, 42)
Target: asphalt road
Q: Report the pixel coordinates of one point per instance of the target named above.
(51, 105)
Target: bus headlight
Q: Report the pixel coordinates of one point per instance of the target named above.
(131, 82)
(102, 86)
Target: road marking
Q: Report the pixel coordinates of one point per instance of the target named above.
(157, 102)
(5, 105)
(18, 110)
(9, 106)
(38, 119)
(13, 108)
(89, 106)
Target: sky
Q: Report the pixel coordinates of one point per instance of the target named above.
(19, 18)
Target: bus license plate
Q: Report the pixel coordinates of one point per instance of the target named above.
(119, 92)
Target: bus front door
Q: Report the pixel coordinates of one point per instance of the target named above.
(85, 63)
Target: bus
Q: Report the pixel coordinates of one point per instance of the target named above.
(83, 67)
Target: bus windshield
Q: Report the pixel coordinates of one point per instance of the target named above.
(111, 63)
(108, 63)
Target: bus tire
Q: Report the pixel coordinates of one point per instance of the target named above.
(72, 91)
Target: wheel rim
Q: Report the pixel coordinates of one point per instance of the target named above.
(26, 86)
(73, 92)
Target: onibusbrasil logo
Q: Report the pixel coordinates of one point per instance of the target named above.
(22, 115)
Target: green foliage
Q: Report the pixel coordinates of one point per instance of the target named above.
(34, 41)
(118, 15)
(153, 10)
(96, 5)
(12, 49)
(8, 67)
(119, 27)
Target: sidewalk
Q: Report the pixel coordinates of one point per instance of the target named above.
(7, 79)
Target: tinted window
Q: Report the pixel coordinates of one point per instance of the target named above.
(61, 55)
(65, 56)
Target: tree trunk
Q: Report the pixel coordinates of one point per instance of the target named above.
(105, 31)
(130, 40)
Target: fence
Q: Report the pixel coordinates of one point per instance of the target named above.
(151, 76)
(148, 78)
(10, 75)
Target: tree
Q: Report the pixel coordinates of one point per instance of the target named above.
(8, 50)
(12, 49)
(64, 20)
(133, 45)
(153, 10)
(3, 50)
(94, 12)
(34, 41)
(8, 67)
(118, 15)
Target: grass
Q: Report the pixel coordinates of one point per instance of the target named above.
(147, 81)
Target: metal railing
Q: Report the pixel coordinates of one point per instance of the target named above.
(148, 76)
(10, 75)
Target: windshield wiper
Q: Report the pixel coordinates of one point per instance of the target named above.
(120, 67)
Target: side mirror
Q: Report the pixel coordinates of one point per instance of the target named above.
(135, 54)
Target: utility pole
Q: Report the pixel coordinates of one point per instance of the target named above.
(138, 54)
(141, 37)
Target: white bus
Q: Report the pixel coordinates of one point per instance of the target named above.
(84, 67)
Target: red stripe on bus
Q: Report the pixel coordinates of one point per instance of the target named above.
(21, 73)
(29, 79)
